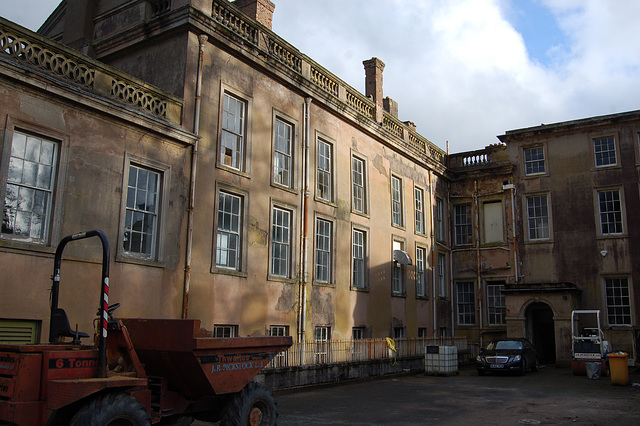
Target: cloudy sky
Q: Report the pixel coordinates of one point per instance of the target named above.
(465, 71)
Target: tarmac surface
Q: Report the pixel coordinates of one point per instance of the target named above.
(550, 396)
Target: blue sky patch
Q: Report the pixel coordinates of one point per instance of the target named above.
(545, 41)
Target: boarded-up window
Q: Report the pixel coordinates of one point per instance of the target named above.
(493, 228)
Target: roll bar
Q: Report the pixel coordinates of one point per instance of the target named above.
(104, 293)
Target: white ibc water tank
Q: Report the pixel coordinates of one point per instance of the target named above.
(441, 360)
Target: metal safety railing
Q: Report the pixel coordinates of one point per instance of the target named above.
(337, 351)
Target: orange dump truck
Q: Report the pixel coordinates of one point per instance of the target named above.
(139, 372)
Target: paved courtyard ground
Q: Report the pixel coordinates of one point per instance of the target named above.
(549, 396)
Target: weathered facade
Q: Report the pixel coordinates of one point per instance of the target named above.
(576, 198)
(293, 204)
(75, 144)
(482, 240)
(312, 203)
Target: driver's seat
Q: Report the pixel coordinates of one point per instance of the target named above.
(60, 326)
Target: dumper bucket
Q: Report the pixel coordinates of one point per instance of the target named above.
(195, 365)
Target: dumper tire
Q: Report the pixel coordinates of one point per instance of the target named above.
(114, 409)
(253, 405)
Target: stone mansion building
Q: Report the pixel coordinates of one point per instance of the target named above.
(241, 183)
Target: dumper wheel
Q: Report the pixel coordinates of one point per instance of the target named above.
(254, 405)
(117, 409)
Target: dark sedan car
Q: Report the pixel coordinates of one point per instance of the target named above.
(508, 354)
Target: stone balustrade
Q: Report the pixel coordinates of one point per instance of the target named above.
(53, 58)
(359, 105)
(475, 160)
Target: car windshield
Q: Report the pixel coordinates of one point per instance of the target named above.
(505, 344)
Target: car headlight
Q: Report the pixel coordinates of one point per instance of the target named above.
(514, 358)
(480, 358)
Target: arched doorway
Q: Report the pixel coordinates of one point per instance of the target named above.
(541, 331)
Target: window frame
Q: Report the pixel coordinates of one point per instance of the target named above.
(495, 310)
(637, 146)
(629, 299)
(364, 187)
(357, 333)
(440, 215)
(525, 163)
(322, 339)
(52, 216)
(399, 201)
(441, 271)
(232, 328)
(330, 172)
(623, 217)
(290, 276)
(399, 332)
(365, 258)
(398, 272)
(425, 272)
(459, 227)
(526, 220)
(328, 251)
(244, 168)
(280, 330)
(279, 116)
(419, 210)
(241, 270)
(157, 258)
(63, 140)
(468, 305)
(613, 139)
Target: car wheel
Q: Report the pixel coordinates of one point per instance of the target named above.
(523, 367)
(481, 372)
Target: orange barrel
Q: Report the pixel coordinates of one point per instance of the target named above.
(619, 368)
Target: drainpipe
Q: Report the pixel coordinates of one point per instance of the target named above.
(453, 314)
(478, 262)
(513, 226)
(302, 297)
(433, 259)
(451, 292)
(192, 189)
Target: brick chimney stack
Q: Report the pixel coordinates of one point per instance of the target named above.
(373, 79)
(373, 88)
(260, 10)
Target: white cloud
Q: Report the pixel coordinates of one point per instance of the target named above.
(461, 71)
(458, 68)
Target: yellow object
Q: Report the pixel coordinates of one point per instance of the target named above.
(392, 344)
(619, 368)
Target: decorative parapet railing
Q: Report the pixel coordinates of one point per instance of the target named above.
(360, 103)
(324, 80)
(475, 159)
(490, 156)
(261, 38)
(394, 125)
(285, 55)
(48, 56)
(18, 44)
(234, 22)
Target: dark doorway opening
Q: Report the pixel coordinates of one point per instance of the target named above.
(541, 331)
